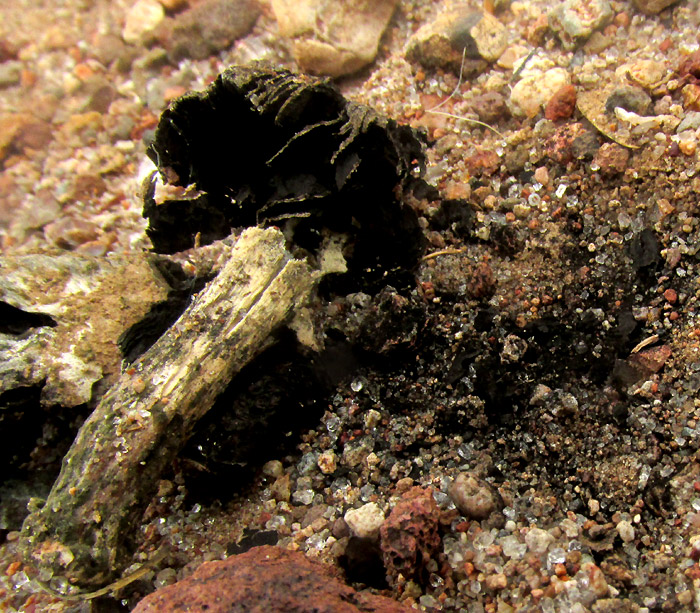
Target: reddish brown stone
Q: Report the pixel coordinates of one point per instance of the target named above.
(611, 158)
(689, 68)
(483, 163)
(409, 536)
(652, 360)
(571, 141)
(266, 579)
(562, 104)
(22, 130)
(482, 283)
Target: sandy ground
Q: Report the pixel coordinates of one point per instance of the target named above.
(555, 357)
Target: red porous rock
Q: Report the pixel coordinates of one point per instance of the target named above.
(410, 537)
(266, 579)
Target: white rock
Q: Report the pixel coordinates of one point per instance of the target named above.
(365, 521)
(538, 540)
(626, 531)
(533, 91)
(143, 17)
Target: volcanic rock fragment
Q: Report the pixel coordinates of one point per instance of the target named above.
(410, 536)
(266, 579)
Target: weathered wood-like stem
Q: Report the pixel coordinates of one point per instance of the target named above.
(111, 472)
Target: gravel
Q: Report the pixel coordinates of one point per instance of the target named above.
(556, 352)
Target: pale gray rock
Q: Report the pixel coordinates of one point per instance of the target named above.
(142, 18)
(459, 39)
(333, 38)
(575, 20)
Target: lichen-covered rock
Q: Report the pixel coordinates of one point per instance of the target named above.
(474, 497)
(62, 317)
(333, 38)
(266, 579)
(263, 146)
(409, 538)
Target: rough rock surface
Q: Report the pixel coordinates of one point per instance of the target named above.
(265, 579)
(333, 38)
(208, 27)
(652, 7)
(459, 39)
(575, 20)
(535, 89)
(62, 316)
(409, 536)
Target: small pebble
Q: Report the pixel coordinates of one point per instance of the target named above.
(691, 121)
(490, 107)
(327, 462)
(459, 39)
(538, 540)
(333, 38)
(611, 158)
(671, 295)
(167, 576)
(532, 92)
(652, 7)
(542, 175)
(562, 104)
(626, 531)
(143, 17)
(630, 98)
(366, 521)
(575, 20)
(646, 73)
(10, 73)
(474, 497)
(273, 468)
(208, 27)
(514, 347)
